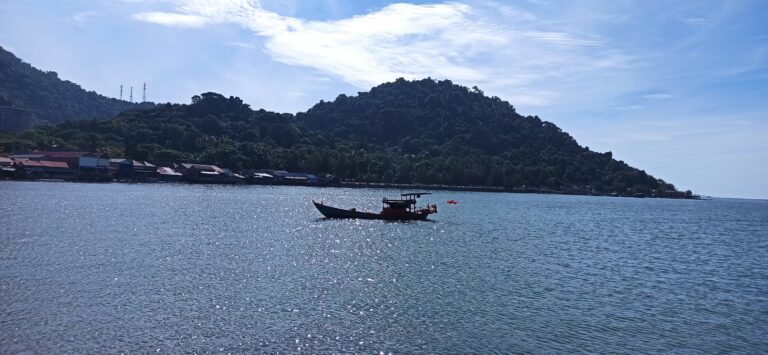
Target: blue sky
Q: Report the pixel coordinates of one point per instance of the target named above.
(679, 89)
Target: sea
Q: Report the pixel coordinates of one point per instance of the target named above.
(174, 268)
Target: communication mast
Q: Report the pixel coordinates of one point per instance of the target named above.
(131, 93)
(121, 92)
(144, 94)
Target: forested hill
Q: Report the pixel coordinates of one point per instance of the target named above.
(53, 100)
(451, 134)
(425, 131)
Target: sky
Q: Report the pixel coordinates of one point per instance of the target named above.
(676, 88)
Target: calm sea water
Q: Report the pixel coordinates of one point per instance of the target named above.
(112, 268)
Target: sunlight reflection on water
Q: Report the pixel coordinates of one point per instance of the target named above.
(93, 268)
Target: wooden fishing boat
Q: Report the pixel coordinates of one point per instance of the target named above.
(394, 209)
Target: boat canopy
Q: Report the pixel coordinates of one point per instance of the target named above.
(415, 194)
(408, 202)
(399, 203)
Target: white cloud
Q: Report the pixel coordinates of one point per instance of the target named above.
(659, 96)
(531, 98)
(445, 40)
(399, 41)
(696, 21)
(560, 39)
(614, 60)
(610, 18)
(241, 45)
(513, 13)
(172, 19)
(628, 107)
(82, 17)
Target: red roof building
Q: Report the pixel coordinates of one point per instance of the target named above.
(26, 163)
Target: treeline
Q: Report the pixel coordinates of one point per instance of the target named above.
(53, 100)
(424, 132)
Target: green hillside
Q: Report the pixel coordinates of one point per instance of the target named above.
(425, 131)
(53, 100)
(439, 132)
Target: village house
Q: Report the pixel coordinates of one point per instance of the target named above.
(6, 162)
(43, 169)
(168, 174)
(7, 170)
(134, 170)
(86, 165)
(203, 173)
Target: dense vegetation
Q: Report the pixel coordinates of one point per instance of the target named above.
(428, 131)
(424, 131)
(53, 100)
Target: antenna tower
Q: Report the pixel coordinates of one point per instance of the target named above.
(131, 93)
(144, 94)
(121, 92)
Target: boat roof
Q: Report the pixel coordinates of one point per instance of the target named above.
(417, 194)
(402, 203)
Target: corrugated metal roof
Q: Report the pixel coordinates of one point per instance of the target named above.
(27, 156)
(42, 164)
(167, 171)
(203, 167)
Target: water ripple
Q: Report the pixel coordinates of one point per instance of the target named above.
(113, 268)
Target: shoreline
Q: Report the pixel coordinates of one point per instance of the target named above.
(372, 185)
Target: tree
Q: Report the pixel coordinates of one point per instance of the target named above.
(169, 156)
(421, 131)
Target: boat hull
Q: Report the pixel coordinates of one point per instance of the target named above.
(333, 212)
